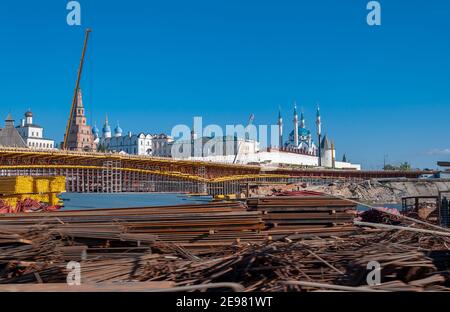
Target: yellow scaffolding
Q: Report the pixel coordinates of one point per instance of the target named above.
(173, 174)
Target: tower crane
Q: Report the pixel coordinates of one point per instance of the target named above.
(77, 86)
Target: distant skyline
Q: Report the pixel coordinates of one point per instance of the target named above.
(384, 91)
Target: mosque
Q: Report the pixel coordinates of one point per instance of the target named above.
(300, 149)
(300, 138)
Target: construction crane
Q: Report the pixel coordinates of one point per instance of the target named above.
(77, 86)
(249, 123)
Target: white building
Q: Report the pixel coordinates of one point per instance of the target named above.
(33, 134)
(162, 145)
(134, 144)
(274, 158)
(215, 148)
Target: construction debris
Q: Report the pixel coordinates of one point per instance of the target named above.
(409, 261)
(383, 191)
(223, 247)
(380, 215)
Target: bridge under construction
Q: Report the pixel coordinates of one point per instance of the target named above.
(113, 173)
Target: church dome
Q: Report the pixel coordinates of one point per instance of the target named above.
(118, 130)
(95, 130)
(28, 114)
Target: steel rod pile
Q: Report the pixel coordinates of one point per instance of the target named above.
(304, 214)
(203, 225)
(190, 246)
(409, 262)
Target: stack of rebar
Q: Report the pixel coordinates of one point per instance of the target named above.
(408, 261)
(195, 226)
(305, 214)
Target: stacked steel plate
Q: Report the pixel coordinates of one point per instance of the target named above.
(304, 214)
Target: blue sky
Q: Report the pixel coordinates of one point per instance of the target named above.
(154, 64)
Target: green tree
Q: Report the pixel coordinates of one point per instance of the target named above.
(405, 166)
(388, 167)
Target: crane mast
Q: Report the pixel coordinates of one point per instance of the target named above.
(77, 86)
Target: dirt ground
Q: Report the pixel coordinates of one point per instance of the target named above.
(367, 191)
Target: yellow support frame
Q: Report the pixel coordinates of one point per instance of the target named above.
(155, 172)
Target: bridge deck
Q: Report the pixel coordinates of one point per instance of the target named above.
(107, 172)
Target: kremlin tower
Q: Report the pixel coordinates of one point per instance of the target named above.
(80, 137)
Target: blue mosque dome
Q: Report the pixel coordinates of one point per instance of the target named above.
(301, 132)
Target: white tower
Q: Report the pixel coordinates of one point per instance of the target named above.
(319, 134)
(280, 129)
(318, 122)
(333, 155)
(295, 125)
(326, 153)
(107, 129)
(302, 121)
